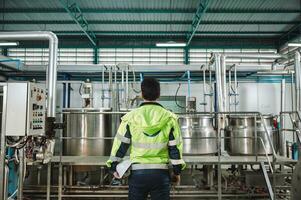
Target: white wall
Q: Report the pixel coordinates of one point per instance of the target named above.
(262, 97)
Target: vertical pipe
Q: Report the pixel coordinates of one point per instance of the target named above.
(102, 86)
(189, 83)
(204, 87)
(64, 95)
(230, 86)
(48, 181)
(211, 88)
(224, 81)
(21, 174)
(235, 88)
(69, 95)
(282, 140)
(122, 87)
(297, 80)
(127, 87)
(110, 88)
(2, 145)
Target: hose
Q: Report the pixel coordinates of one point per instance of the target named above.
(134, 81)
(176, 95)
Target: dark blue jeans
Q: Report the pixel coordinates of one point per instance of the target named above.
(155, 182)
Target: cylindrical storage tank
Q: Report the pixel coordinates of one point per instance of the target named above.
(199, 136)
(241, 135)
(87, 123)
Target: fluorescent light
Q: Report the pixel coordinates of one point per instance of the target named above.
(9, 43)
(294, 44)
(171, 44)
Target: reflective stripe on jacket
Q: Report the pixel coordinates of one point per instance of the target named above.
(153, 135)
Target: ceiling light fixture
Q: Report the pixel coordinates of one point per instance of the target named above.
(171, 44)
(9, 43)
(294, 44)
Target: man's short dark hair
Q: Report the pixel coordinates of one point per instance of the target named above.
(150, 89)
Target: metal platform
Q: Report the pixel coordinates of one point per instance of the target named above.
(225, 159)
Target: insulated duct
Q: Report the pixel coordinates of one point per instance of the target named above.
(51, 71)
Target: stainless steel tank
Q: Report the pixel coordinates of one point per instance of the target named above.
(87, 123)
(247, 126)
(195, 132)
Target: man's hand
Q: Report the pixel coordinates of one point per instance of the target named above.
(116, 175)
(175, 179)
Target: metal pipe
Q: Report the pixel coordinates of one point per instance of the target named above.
(235, 87)
(211, 88)
(218, 82)
(282, 122)
(254, 55)
(127, 87)
(110, 88)
(297, 80)
(122, 87)
(2, 145)
(22, 166)
(102, 86)
(52, 65)
(189, 84)
(224, 81)
(230, 87)
(204, 86)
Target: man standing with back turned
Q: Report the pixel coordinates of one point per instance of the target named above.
(154, 138)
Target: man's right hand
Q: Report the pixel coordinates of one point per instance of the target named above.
(175, 179)
(116, 175)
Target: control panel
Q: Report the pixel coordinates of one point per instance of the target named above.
(36, 111)
(25, 109)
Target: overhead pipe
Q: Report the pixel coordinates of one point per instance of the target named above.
(52, 65)
(254, 55)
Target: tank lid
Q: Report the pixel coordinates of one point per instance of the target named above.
(200, 116)
(265, 116)
(86, 110)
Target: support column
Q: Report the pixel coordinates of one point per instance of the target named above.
(95, 55)
(186, 55)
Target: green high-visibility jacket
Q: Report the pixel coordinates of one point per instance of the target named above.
(154, 137)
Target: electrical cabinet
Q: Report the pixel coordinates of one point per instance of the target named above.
(25, 109)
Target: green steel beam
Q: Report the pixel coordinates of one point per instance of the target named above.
(291, 34)
(197, 20)
(186, 55)
(95, 55)
(149, 22)
(77, 15)
(5, 51)
(172, 33)
(151, 11)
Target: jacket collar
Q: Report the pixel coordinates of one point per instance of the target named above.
(151, 103)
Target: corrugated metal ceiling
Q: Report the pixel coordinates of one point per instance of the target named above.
(47, 20)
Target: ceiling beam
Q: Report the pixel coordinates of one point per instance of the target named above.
(172, 33)
(149, 22)
(291, 34)
(151, 11)
(202, 8)
(77, 15)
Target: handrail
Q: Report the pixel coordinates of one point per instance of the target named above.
(111, 138)
(297, 129)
